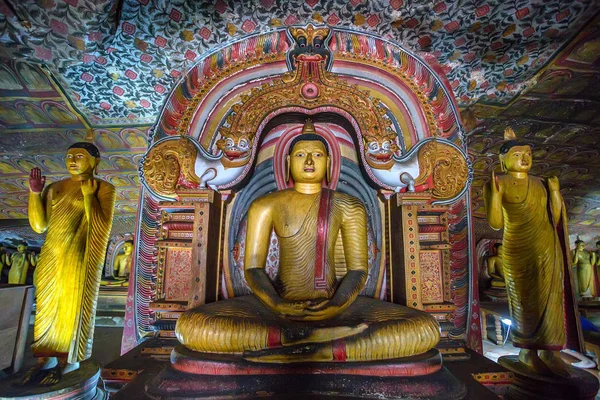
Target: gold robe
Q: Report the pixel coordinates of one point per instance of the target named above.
(69, 272)
(534, 268)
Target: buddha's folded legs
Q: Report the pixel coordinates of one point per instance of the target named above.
(368, 330)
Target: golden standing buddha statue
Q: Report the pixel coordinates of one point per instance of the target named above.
(19, 265)
(584, 261)
(306, 313)
(530, 210)
(77, 214)
(495, 269)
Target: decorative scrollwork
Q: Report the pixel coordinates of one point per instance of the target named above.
(166, 161)
(446, 165)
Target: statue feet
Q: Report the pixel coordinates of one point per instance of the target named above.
(287, 354)
(532, 360)
(554, 362)
(52, 376)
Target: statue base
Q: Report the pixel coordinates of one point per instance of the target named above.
(581, 385)
(191, 362)
(79, 384)
(194, 375)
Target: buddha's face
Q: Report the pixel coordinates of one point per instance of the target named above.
(127, 248)
(21, 248)
(308, 161)
(79, 161)
(518, 159)
(580, 246)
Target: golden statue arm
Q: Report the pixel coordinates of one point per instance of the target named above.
(593, 258)
(492, 196)
(94, 199)
(36, 211)
(555, 198)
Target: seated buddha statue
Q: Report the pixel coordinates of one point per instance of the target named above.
(306, 314)
(494, 268)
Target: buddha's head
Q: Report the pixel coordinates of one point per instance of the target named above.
(308, 160)
(128, 247)
(598, 244)
(515, 156)
(580, 244)
(498, 247)
(22, 247)
(82, 158)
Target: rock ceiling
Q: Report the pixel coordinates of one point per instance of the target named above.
(71, 65)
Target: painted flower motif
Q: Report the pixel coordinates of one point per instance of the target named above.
(128, 28)
(157, 73)
(87, 58)
(275, 22)
(358, 20)
(59, 28)
(436, 25)
(43, 53)
(452, 26)
(86, 77)
(501, 86)
(160, 41)
(140, 44)
(190, 55)
(482, 11)
(187, 35)
(231, 29)
(318, 17)
(472, 84)
(114, 76)
(454, 56)
(175, 73)
(101, 60)
(509, 30)
(118, 91)
(159, 89)
(475, 27)
(144, 103)
(523, 60)
(46, 3)
(130, 104)
(204, 33)
(104, 105)
(146, 58)
(131, 74)
(522, 13)
(439, 7)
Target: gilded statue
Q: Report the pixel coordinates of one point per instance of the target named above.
(531, 211)
(76, 213)
(495, 269)
(122, 263)
(19, 263)
(306, 314)
(3, 256)
(586, 277)
(597, 254)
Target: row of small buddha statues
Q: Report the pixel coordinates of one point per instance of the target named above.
(586, 265)
(18, 263)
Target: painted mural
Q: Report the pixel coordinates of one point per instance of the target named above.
(120, 71)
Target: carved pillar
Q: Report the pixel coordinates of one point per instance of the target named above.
(188, 269)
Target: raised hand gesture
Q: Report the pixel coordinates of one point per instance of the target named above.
(89, 187)
(553, 184)
(36, 181)
(495, 186)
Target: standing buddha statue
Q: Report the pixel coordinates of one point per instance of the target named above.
(19, 265)
(586, 276)
(77, 214)
(532, 213)
(306, 314)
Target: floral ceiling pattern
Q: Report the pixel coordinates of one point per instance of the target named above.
(119, 59)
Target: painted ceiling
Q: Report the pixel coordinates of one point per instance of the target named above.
(71, 65)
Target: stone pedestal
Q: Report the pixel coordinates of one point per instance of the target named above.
(581, 385)
(210, 376)
(79, 384)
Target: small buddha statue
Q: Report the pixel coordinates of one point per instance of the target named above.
(494, 268)
(19, 265)
(122, 261)
(532, 212)
(76, 213)
(3, 257)
(306, 314)
(584, 261)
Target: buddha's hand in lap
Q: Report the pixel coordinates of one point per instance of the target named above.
(291, 309)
